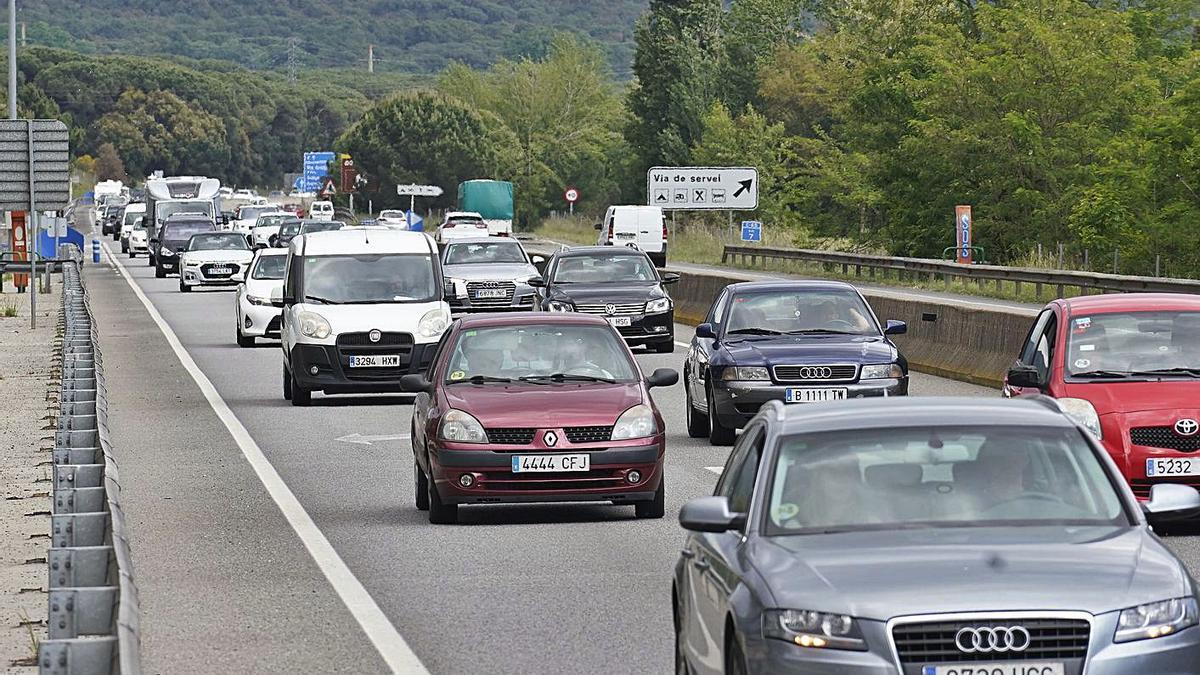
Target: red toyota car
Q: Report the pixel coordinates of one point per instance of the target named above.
(1128, 368)
(536, 408)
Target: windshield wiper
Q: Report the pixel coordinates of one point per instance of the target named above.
(480, 379)
(754, 331)
(1104, 373)
(1194, 372)
(323, 301)
(822, 331)
(563, 377)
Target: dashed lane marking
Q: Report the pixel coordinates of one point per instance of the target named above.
(715, 469)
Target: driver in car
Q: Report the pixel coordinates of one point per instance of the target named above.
(575, 359)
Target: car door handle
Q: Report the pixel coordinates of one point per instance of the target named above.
(701, 564)
(688, 553)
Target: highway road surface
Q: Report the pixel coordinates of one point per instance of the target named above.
(270, 538)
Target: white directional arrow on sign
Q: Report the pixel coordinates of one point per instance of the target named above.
(369, 440)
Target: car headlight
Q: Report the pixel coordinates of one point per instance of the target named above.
(313, 325)
(461, 427)
(255, 300)
(189, 263)
(165, 252)
(1083, 412)
(819, 630)
(559, 306)
(637, 422)
(433, 323)
(881, 371)
(658, 306)
(745, 374)
(1156, 619)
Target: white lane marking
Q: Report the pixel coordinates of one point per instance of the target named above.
(682, 344)
(715, 469)
(382, 634)
(368, 440)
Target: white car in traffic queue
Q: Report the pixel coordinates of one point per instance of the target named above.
(461, 225)
(257, 316)
(362, 307)
(214, 259)
(393, 218)
(267, 226)
(139, 241)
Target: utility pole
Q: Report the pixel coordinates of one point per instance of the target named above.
(370, 58)
(291, 61)
(12, 59)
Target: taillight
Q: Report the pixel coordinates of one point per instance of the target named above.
(664, 231)
(481, 226)
(610, 230)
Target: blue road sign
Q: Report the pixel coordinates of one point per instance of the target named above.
(316, 167)
(751, 230)
(415, 222)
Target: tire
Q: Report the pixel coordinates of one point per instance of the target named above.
(301, 397)
(681, 664)
(150, 259)
(697, 423)
(287, 384)
(664, 347)
(718, 434)
(656, 507)
(421, 487)
(124, 248)
(184, 288)
(159, 273)
(244, 340)
(439, 513)
(735, 660)
(659, 259)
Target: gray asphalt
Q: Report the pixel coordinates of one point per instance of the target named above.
(227, 587)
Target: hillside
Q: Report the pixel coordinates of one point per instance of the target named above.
(416, 36)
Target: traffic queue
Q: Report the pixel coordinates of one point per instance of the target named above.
(854, 529)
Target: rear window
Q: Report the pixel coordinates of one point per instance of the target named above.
(185, 230)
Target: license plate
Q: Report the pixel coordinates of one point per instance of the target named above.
(550, 463)
(381, 361)
(1172, 467)
(620, 321)
(626, 235)
(220, 270)
(814, 395)
(1015, 668)
(491, 293)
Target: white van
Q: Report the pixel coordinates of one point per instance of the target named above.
(640, 227)
(361, 308)
(320, 211)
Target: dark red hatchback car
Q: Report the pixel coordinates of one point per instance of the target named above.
(1127, 367)
(536, 408)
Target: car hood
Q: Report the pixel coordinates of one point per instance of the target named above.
(876, 575)
(550, 406)
(610, 292)
(1127, 397)
(808, 349)
(241, 257)
(490, 271)
(263, 288)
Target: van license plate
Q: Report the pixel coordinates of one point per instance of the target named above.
(626, 235)
(550, 463)
(1172, 467)
(379, 361)
(814, 395)
(1010, 668)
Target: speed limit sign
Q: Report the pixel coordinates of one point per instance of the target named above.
(571, 195)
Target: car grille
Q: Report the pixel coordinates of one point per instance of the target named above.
(588, 434)
(596, 479)
(511, 436)
(933, 642)
(1141, 486)
(626, 309)
(364, 340)
(359, 344)
(208, 267)
(473, 288)
(1163, 437)
(816, 373)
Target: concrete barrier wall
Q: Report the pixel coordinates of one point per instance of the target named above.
(964, 340)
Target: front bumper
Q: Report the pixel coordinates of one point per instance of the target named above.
(496, 483)
(198, 276)
(649, 328)
(166, 264)
(1156, 439)
(259, 320)
(737, 402)
(334, 375)
(520, 301)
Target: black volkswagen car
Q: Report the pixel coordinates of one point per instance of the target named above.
(620, 284)
(791, 341)
(290, 229)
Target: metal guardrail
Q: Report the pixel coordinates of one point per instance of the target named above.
(928, 269)
(93, 606)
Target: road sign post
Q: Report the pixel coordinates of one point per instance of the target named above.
(414, 191)
(962, 233)
(703, 188)
(571, 194)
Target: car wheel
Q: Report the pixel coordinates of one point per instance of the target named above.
(697, 423)
(184, 288)
(150, 259)
(244, 340)
(654, 508)
(159, 273)
(735, 661)
(301, 397)
(718, 434)
(681, 664)
(439, 513)
(421, 491)
(287, 384)
(665, 347)
(124, 248)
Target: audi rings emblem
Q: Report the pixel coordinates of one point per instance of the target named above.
(610, 309)
(992, 640)
(816, 373)
(1187, 427)
(374, 335)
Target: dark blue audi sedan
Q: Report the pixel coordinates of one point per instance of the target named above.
(791, 341)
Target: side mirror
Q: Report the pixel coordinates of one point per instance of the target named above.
(706, 330)
(277, 299)
(416, 384)
(536, 282)
(669, 277)
(599, 226)
(448, 289)
(895, 327)
(710, 514)
(1171, 503)
(1024, 376)
(662, 377)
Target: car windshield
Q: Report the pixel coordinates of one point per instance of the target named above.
(269, 221)
(810, 311)
(290, 227)
(218, 241)
(350, 279)
(252, 212)
(539, 353)
(132, 216)
(1133, 343)
(166, 209)
(485, 252)
(269, 267)
(321, 226)
(183, 231)
(604, 268)
(883, 479)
